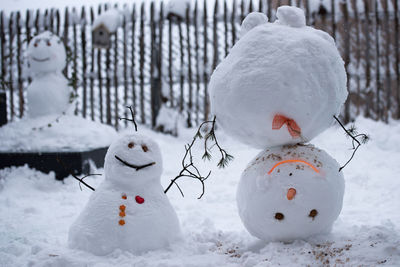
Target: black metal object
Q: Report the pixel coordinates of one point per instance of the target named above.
(3, 107)
(75, 162)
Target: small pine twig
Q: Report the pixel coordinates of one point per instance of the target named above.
(352, 133)
(189, 170)
(76, 177)
(133, 117)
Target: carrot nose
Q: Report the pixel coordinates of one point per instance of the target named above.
(291, 193)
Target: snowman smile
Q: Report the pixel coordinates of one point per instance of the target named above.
(133, 166)
(41, 60)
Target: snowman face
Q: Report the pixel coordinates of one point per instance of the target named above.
(132, 160)
(290, 196)
(46, 53)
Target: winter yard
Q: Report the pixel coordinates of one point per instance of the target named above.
(36, 212)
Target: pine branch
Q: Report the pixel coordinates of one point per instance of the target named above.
(133, 117)
(189, 170)
(352, 133)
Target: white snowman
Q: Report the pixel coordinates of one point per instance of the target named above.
(290, 192)
(49, 92)
(129, 210)
(280, 84)
(278, 88)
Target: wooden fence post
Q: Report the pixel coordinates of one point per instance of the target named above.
(397, 55)
(3, 107)
(84, 61)
(142, 61)
(205, 61)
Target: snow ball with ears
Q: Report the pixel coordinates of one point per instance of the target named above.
(46, 53)
(252, 20)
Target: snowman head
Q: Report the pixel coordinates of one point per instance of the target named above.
(133, 160)
(290, 192)
(46, 53)
(281, 83)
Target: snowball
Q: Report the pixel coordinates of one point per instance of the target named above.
(177, 7)
(129, 211)
(281, 198)
(46, 53)
(111, 19)
(291, 16)
(167, 120)
(48, 94)
(252, 20)
(278, 85)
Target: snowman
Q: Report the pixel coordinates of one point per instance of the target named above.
(49, 92)
(278, 88)
(129, 210)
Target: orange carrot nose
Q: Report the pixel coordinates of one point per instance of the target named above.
(279, 120)
(291, 193)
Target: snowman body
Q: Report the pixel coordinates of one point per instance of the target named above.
(290, 192)
(49, 92)
(281, 83)
(129, 211)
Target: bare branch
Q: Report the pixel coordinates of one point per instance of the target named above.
(133, 117)
(76, 177)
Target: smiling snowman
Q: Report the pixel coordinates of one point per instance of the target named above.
(49, 92)
(129, 210)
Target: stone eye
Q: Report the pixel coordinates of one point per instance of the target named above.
(131, 145)
(145, 148)
(35, 44)
(279, 216)
(313, 213)
(48, 43)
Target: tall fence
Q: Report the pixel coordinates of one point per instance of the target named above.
(157, 58)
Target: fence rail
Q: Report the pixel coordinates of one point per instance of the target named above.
(158, 59)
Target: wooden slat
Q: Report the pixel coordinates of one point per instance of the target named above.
(397, 55)
(197, 60)
(10, 62)
(92, 71)
(226, 48)
(367, 22)
(388, 78)
(205, 61)
(100, 76)
(84, 62)
(21, 102)
(215, 36)
(233, 22)
(377, 64)
(133, 57)
(74, 74)
(125, 63)
(189, 66)
(142, 62)
(346, 38)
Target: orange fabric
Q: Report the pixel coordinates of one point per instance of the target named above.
(293, 128)
(293, 160)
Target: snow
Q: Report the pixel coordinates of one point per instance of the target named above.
(37, 211)
(252, 20)
(291, 16)
(277, 73)
(279, 200)
(70, 133)
(129, 210)
(111, 19)
(177, 7)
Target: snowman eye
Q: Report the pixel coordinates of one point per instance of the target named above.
(131, 145)
(145, 148)
(35, 44)
(279, 216)
(313, 213)
(48, 44)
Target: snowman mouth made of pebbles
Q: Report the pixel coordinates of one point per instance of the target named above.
(280, 86)
(129, 210)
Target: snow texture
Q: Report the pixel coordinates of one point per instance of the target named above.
(252, 20)
(177, 7)
(49, 92)
(70, 133)
(291, 16)
(293, 200)
(111, 19)
(37, 211)
(129, 210)
(278, 70)
(167, 120)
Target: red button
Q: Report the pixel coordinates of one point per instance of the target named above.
(139, 199)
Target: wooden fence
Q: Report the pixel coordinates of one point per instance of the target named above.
(157, 59)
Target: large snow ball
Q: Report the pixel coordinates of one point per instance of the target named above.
(290, 192)
(280, 84)
(46, 53)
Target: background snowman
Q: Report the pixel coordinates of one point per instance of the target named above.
(49, 92)
(279, 87)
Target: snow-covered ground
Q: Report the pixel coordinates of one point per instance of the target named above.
(36, 212)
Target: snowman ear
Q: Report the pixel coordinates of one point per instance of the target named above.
(251, 21)
(291, 16)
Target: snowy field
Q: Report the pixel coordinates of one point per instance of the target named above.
(36, 212)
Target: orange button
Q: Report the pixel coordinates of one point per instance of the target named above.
(124, 197)
(122, 208)
(122, 214)
(121, 222)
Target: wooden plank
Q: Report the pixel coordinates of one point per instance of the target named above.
(307, 7)
(233, 22)
(142, 62)
(251, 7)
(133, 57)
(215, 36)
(58, 21)
(189, 62)
(197, 56)
(84, 62)
(242, 10)
(367, 23)
(152, 63)
(92, 70)
(37, 25)
(377, 64)
(10, 64)
(28, 33)
(108, 86)
(261, 6)
(269, 9)
(226, 28)
(51, 20)
(205, 62)
(333, 18)
(21, 102)
(65, 37)
(3, 47)
(115, 80)
(125, 64)
(160, 57)
(170, 62)
(346, 58)
(357, 53)
(100, 77)
(397, 55)
(74, 74)
(46, 20)
(388, 78)
(182, 66)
